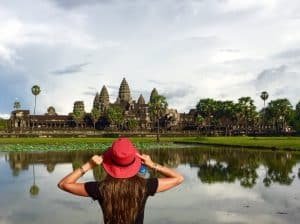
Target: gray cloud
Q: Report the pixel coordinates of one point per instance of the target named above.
(161, 41)
(289, 54)
(70, 69)
(13, 85)
(113, 87)
(280, 82)
(90, 93)
(230, 50)
(92, 88)
(173, 91)
(156, 84)
(270, 75)
(70, 4)
(175, 94)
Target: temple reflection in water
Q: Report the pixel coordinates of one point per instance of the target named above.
(214, 165)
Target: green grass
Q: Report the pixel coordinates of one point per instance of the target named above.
(60, 144)
(69, 144)
(258, 142)
(59, 141)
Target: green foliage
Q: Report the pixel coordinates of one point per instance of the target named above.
(35, 90)
(115, 115)
(278, 113)
(226, 113)
(132, 124)
(3, 124)
(74, 144)
(71, 144)
(298, 110)
(206, 108)
(157, 106)
(264, 95)
(78, 115)
(95, 115)
(34, 190)
(280, 143)
(241, 117)
(295, 120)
(246, 112)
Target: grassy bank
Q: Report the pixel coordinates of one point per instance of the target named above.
(282, 143)
(46, 144)
(69, 144)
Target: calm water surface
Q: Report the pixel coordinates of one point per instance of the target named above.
(221, 186)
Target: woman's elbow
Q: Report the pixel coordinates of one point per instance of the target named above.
(61, 185)
(180, 179)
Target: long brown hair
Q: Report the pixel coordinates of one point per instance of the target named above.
(122, 199)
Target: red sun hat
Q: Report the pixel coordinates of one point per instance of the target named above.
(120, 160)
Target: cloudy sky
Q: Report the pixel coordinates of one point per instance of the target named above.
(187, 49)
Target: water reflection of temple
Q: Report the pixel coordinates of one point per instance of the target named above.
(213, 165)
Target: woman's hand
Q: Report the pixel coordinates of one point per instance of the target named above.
(96, 160)
(69, 182)
(146, 160)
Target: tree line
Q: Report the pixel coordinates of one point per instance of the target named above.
(242, 117)
(213, 117)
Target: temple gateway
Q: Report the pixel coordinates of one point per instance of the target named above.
(132, 111)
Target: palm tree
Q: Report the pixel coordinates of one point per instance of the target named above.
(34, 189)
(157, 108)
(35, 91)
(264, 96)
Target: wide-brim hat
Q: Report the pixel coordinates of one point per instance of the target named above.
(120, 160)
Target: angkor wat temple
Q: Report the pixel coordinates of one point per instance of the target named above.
(131, 110)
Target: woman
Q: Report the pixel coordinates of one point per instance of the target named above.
(123, 193)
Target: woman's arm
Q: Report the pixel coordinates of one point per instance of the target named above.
(171, 179)
(69, 182)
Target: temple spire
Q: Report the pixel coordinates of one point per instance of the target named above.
(104, 96)
(96, 101)
(153, 93)
(124, 91)
(141, 100)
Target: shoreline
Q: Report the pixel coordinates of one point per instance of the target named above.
(244, 142)
(271, 148)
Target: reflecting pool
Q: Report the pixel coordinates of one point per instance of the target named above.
(221, 185)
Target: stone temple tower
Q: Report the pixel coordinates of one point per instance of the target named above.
(141, 100)
(104, 99)
(153, 94)
(79, 106)
(124, 91)
(96, 101)
(101, 101)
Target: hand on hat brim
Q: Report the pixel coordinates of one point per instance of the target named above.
(96, 159)
(146, 159)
